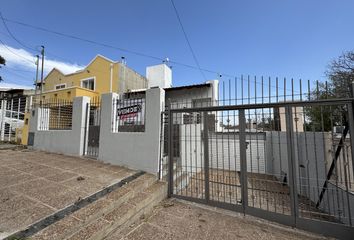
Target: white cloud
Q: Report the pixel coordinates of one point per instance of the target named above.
(11, 85)
(23, 59)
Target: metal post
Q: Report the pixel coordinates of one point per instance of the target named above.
(36, 83)
(170, 151)
(291, 163)
(111, 77)
(351, 131)
(206, 156)
(2, 123)
(42, 70)
(10, 125)
(243, 158)
(86, 129)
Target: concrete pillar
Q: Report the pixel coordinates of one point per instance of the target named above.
(136, 150)
(70, 142)
(79, 121)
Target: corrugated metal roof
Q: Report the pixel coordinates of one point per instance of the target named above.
(188, 86)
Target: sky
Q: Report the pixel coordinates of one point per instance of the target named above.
(284, 38)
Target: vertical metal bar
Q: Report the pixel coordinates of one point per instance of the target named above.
(345, 161)
(206, 157)
(2, 118)
(284, 89)
(242, 89)
(291, 164)
(222, 145)
(86, 129)
(243, 159)
(10, 125)
(170, 151)
(351, 132)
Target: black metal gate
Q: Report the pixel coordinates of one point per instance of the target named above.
(275, 161)
(92, 140)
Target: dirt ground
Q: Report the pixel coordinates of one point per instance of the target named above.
(175, 219)
(34, 184)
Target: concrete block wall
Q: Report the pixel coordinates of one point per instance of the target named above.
(68, 142)
(136, 150)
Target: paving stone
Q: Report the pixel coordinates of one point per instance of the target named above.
(34, 184)
(29, 186)
(144, 231)
(139, 198)
(88, 184)
(90, 230)
(46, 172)
(61, 199)
(118, 213)
(15, 178)
(22, 219)
(61, 176)
(119, 193)
(94, 209)
(59, 229)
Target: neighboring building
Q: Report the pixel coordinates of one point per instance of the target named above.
(14, 103)
(280, 119)
(101, 75)
(8, 93)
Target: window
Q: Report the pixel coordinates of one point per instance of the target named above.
(88, 83)
(60, 86)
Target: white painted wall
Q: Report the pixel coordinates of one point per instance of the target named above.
(336, 196)
(159, 76)
(69, 142)
(181, 98)
(224, 150)
(136, 150)
(191, 148)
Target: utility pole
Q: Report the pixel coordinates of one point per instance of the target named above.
(42, 52)
(36, 82)
(111, 79)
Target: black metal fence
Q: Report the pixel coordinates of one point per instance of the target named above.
(289, 162)
(93, 116)
(129, 115)
(12, 116)
(55, 114)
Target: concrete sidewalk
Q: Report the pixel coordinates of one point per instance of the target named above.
(34, 185)
(174, 219)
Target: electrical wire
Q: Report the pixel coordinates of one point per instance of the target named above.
(23, 77)
(12, 35)
(26, 59)
(218, 73)
(116, 48)
(188, 42)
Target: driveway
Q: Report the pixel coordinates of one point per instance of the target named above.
(174, 219)
(34, 184)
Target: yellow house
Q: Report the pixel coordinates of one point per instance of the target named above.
(101, 75)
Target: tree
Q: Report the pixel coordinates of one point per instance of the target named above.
(340, 74)
(2, 62)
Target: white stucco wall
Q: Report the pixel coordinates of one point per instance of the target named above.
(159, 76)
(136, 150)
(69, 142)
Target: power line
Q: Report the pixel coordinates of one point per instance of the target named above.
(109, 46)
(188, 42)
(26, 59)
(83, 39)
(23, 77)
(218, 73)
(12, 35)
